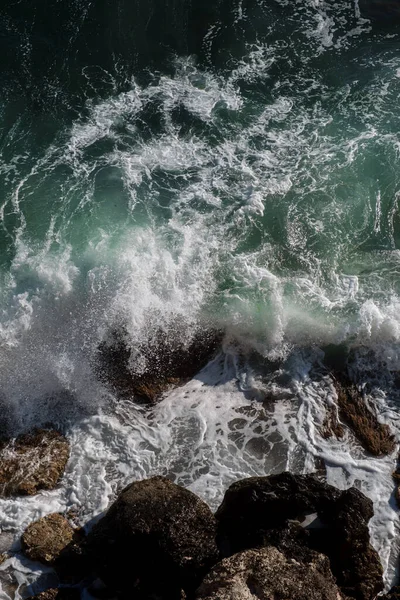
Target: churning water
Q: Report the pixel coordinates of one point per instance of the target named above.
(234, 165)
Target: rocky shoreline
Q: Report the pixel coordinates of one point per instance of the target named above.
(283, 536)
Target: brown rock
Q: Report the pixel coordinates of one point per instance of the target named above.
(170, 358)
(52, 540)
(57, 594)
(50, 594)
(268, 575)
(374, 436)
(156, 539)
(45, 539)
(32, 462)
(331, 425)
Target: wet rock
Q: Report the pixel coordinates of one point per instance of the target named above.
(53, 541)
(266, 573)
(331, 425)
(170, 358)
(375, 437)
(258, 512)
(156, 538)
(32, 462)
(45, 539)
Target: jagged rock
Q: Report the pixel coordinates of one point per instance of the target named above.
(156, 538)
(257, 512)
(375, 437)
(169, 358)
(267, 574)
(32, 462)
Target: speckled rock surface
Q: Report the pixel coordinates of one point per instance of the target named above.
(266, 574)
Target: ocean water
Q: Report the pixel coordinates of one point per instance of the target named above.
(224, 164)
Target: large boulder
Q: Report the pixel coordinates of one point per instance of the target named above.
(170, 357)
(268, 574)
(32, 462)
(156, 539)
(259, 511)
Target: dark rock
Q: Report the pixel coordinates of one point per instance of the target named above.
(394, 594)
(375, 437)
(32, 462)
(268, 574)
(156, 538)
(257, 512)
(170, 358)
(354, 562)
(251, 507)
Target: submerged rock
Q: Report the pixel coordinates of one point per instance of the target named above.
(266, 573)
(156, 538)
(32, 462)
(169, 358)
(258, 511)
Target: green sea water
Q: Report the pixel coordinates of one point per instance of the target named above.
(237, 164)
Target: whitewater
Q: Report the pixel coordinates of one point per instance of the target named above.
(250, 187)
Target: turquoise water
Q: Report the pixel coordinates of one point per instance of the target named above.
(277, 155)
